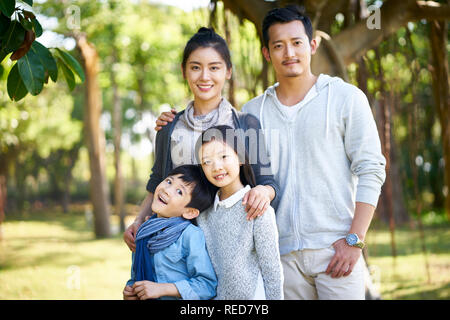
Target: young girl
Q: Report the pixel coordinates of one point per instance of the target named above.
(244, 253)
(206, 66)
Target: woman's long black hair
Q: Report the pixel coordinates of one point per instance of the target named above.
(233, 139)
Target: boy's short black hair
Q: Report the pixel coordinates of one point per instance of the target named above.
(284, 15)
(203, 193)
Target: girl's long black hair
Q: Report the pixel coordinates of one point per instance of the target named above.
(233, 139)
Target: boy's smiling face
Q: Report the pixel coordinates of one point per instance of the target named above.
(171, 197)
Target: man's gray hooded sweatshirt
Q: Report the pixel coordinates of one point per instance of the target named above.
(324, 158)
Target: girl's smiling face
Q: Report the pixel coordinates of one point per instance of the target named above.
(221, 166)
(206, 72)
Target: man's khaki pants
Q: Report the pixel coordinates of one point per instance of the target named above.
(305, 278)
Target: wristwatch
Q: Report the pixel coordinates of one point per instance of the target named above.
(353, 240)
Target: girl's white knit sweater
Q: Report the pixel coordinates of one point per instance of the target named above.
(241, 249)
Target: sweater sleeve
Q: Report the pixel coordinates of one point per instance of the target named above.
(259, 158)
(160, 158)
(363, 148)
(265, 236)
(202, 282)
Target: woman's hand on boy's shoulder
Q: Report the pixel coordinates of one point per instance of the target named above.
(257, 200)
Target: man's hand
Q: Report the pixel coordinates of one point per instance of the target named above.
(257, 201)
(343, 260)
(151, 290)
(164, 118)
(130, 234)
(128, 294)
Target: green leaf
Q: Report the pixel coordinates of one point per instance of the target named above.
(7, 7)
(13, 37)
(72, 64)
(68, 74)
(37, 27)
(30, 2)
(27, 24)
(46, 59)
(16, 87)
(32, 72)
(3, 55)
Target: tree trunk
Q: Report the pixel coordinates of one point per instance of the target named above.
(21, 189)
(95, 139)
(231, 98)
(2, 202)
(385, 124)
(117, 128)
(439, 72)
(68, 176)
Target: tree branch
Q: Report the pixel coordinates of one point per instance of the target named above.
(431, 10)
(253, 10)
(353, 42)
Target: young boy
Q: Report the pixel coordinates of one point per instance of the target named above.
(171, 260)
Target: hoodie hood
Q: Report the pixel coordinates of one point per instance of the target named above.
(324, 82)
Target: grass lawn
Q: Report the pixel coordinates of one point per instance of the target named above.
(51, 255)
(56, 256)
(405, 277)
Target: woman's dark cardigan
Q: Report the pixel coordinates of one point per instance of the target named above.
(163, 162)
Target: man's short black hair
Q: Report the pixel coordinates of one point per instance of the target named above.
(284, 15)
(203, 193)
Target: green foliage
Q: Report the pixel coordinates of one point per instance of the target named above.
(35, 63)
(32, 72)
(415, 128)
(16, 87)
(46, 60)
(7, 7)
(140, 44)
(71, 64)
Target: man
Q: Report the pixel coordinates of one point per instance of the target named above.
(328, 138)
(326, 157)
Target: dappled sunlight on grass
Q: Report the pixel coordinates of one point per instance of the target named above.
(59, 258)
(405, 277)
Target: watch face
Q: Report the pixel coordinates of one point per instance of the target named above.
(352, 239)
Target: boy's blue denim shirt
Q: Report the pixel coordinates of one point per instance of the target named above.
(186, 264)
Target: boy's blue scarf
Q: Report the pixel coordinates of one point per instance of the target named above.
(154, 235)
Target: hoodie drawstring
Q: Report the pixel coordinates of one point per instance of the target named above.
(261, 110)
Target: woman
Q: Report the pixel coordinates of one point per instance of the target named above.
(206, 66)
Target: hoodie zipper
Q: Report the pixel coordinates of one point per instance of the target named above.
(296, 215)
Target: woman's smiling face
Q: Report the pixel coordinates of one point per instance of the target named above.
(206, 72)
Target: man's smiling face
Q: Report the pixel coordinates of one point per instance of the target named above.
(289, 49)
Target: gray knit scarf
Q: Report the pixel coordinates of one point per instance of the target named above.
(220, 115)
